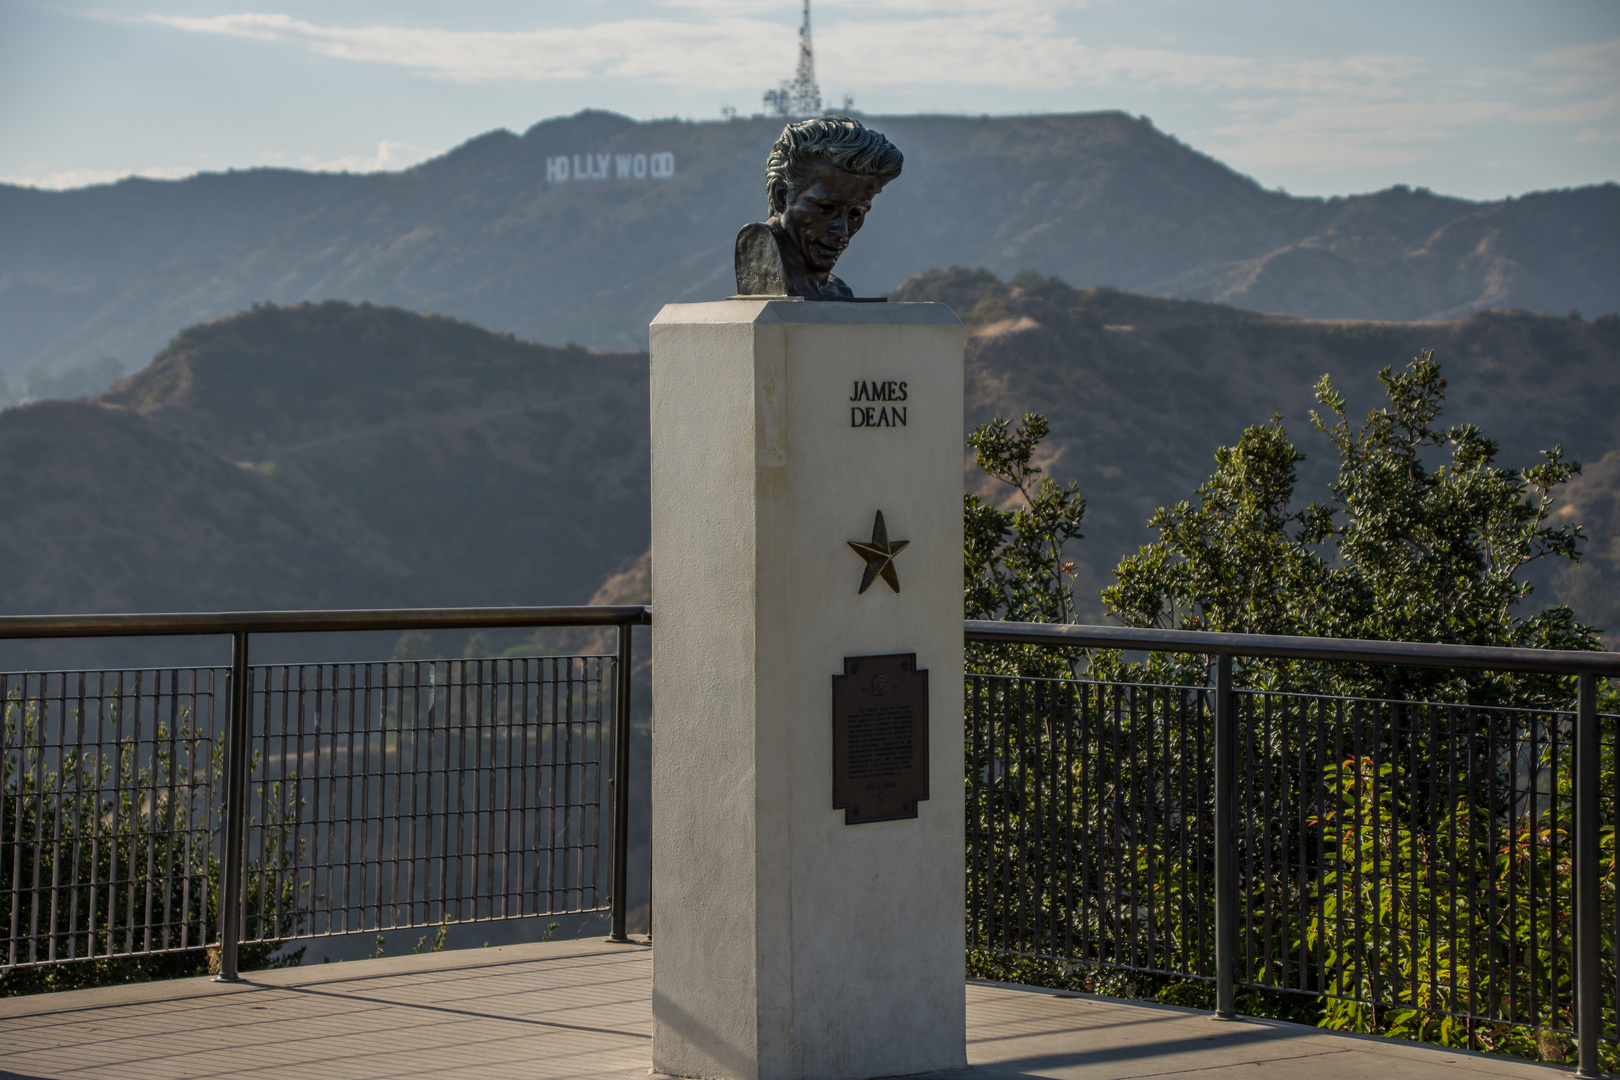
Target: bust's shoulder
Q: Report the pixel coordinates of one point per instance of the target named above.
(755, 232)
(759, 261)
(835, 289)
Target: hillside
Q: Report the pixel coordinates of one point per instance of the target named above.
(1593, 586)
(107, 512)
(1140, 391)
(482, 234)
(329, 455)
(334, 454)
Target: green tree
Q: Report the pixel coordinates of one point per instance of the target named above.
(123, 817)
(1407, 549)
(1016, 566)
(1423, 537)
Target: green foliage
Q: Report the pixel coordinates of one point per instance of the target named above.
(957, 286)
(413, 645)
(1236, 561)
(1086, 319)
(1395, 893)
(1016, 567)
(125, 820)
(1403, 551)
(1426, 916)
(986, 311)
(440, 939)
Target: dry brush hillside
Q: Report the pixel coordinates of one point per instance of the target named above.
(1141, 390)
(485, 233)
(335, 454)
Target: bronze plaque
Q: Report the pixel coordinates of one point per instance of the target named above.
(880, 738)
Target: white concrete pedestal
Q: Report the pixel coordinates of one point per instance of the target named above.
(787, 943)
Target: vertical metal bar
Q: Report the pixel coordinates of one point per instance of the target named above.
(554, 786)
(1070, 722)
(36, 787)
(1004, 870)
(61, 758)
(977, 841)
(78, 819)
(1267, 879)
(1200, 790)
(595, 805)
(1115, 812)
(15, 842)
(414, 847)
(570, 867)
(1614, 926)
(1020, 808)
(1588, 943)
(510, 733)
(652, 756)
(1225, 842)
(370, 891)
(1135, 808)
(1054, 906)
(619, 786)
(1091, 921)
(1531, 854)
(236, 782)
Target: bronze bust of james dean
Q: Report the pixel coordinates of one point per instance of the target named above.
(820, 180)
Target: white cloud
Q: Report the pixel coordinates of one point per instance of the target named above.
(1004, 43)
(1595, 62)
(1575, 112)
(389, 156)
(677, 53)
(78, 178)
(1387, 111)
(1321, 112)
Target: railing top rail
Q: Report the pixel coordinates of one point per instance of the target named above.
(286, 622)
(1355, 650)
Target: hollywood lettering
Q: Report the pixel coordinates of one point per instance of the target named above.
(610, 167)
(884, 415)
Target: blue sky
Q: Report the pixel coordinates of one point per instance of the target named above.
(1480, 98)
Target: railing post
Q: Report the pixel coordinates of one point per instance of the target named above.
(1588, 938)
(1225, 842)
(236, 786)
(619, 784)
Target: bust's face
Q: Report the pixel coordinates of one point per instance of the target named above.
(823, 215)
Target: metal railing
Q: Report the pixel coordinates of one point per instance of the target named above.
(1388, 854)
(162, 810)
(1359, 850)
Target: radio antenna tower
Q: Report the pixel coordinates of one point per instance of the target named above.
(801, 97)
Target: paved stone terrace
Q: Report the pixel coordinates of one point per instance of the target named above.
(582, 1010)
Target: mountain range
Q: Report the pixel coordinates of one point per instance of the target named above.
(581, 227)
(329, 455)
(1140, 391)
(336, 454)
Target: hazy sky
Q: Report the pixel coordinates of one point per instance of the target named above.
(1469, 97)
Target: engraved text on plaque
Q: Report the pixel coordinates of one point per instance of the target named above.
(880, 738)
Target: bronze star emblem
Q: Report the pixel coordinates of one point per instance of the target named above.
(879, 555)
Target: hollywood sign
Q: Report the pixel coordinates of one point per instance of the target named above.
(610, 166)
